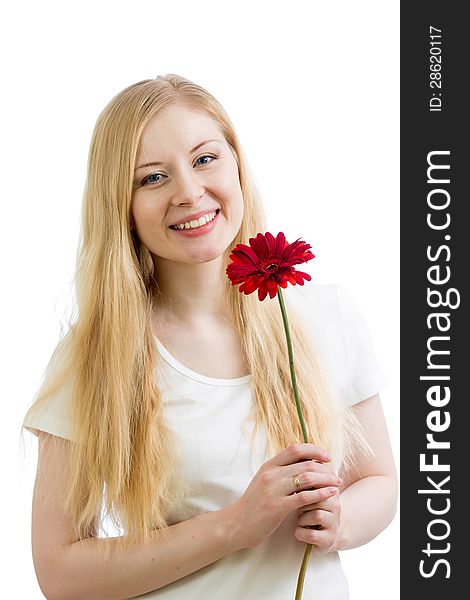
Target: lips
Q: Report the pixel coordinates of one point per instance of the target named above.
(196, 216)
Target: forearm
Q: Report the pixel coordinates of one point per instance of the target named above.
(186, 547)
(367, 507)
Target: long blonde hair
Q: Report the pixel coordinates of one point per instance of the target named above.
(122, 450)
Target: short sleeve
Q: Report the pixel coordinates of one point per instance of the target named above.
(364, 376)
(53, 414)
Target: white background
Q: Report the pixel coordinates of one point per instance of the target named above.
(312, 88)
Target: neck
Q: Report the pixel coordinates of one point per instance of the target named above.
(190, 292)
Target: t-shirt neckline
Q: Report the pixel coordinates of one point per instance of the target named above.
(171, 360)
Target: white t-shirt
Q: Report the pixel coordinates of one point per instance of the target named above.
(210, 418)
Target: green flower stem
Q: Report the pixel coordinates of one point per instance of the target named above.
(303, 568)
(291, 363)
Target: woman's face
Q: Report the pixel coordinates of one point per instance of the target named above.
(196, 175)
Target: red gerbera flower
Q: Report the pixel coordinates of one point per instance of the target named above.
(268, 262)
(267, 265)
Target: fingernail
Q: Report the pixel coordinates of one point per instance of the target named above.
(332, 490)
(339, 481)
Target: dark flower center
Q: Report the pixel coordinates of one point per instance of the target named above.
(272, 266)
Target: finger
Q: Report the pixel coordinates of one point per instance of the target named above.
(321, 519)
(309, 481)
(309, 497)
(322, 539)
(298, 452)
(307, 465)
(331, 504)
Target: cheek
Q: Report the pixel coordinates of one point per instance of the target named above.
(232, 189)
(227, 175)
(141, 209)
(147, 217)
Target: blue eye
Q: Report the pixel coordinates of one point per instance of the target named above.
(206, 156)
(150, 179)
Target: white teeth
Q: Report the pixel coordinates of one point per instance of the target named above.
(193, 224)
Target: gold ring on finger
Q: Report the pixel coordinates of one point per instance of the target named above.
(298, 485)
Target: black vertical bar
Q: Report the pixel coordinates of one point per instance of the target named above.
(435, 259)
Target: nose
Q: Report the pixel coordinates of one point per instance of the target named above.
(188, 187)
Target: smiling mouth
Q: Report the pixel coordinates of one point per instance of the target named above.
(196, 223)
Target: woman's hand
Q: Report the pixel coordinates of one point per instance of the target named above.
(318, 524)
(272, 495)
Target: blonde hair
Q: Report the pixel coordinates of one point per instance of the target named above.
(123, 454)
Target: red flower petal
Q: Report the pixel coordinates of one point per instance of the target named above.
(260, 246)
(281, 243)
(267, 264)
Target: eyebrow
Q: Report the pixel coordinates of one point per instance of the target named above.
(155, 162)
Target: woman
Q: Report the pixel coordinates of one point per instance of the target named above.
(168, 405)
